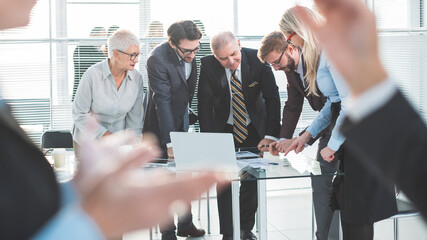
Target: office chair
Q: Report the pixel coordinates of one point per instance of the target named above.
(56, 139)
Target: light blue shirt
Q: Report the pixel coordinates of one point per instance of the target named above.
(333, 87)
(115, 109)
(70, 222)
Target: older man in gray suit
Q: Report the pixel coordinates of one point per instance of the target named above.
(172, 77)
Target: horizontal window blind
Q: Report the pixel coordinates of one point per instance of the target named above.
(403, 48)
(392, 13)
(42, 63)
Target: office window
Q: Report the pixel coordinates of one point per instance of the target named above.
(392, 13)
(403, 48)
(41, 64)
(423, 10)
(258, 18)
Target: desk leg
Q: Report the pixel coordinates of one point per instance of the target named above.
(262, 209)
(235, 193)
(340, 226)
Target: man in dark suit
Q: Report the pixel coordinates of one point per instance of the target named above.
(382, 129)
(275, 48)
(172, 76)
(238, 94)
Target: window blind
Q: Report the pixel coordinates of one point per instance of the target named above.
(41, 62)
(403, 48)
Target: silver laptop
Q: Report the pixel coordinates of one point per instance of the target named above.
(204, 152)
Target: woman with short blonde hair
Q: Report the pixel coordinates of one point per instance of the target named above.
(111, 90)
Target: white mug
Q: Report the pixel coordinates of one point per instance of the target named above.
(59, 156)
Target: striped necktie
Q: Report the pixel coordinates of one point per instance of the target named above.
(240, 129)
(186, 120)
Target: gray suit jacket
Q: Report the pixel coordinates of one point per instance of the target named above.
(168, 94)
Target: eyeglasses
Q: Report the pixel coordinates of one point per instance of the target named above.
(187, 52)
(132, 56)
(276, 63)
(290, 36)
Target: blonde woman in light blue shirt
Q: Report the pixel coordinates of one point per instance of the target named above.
(111, 90)
(361, 198)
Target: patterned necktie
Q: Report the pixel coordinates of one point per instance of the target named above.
(186, 120)
(183, 68)
(240, 129)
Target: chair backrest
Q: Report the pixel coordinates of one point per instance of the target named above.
(57, 139)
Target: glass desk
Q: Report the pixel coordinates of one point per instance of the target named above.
(294, 166)
(261, 170)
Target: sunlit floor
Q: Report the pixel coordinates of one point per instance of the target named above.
(289, 216)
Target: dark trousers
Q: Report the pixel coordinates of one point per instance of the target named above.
(327, 221)
(248, 193)
(184, 223)
(357, 231)
(352, 231)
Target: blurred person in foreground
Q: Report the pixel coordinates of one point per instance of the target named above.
(382, 128)
(111, 91)
(109, 196)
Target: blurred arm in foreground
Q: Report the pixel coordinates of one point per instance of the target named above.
(379, 114)
(117, 195)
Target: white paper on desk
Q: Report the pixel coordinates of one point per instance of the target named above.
(254, 162)
(311, 151)
(304, 161)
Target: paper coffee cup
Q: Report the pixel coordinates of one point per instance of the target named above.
(59, 156)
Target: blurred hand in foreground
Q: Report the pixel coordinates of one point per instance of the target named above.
(118, 195)
(349, 37)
